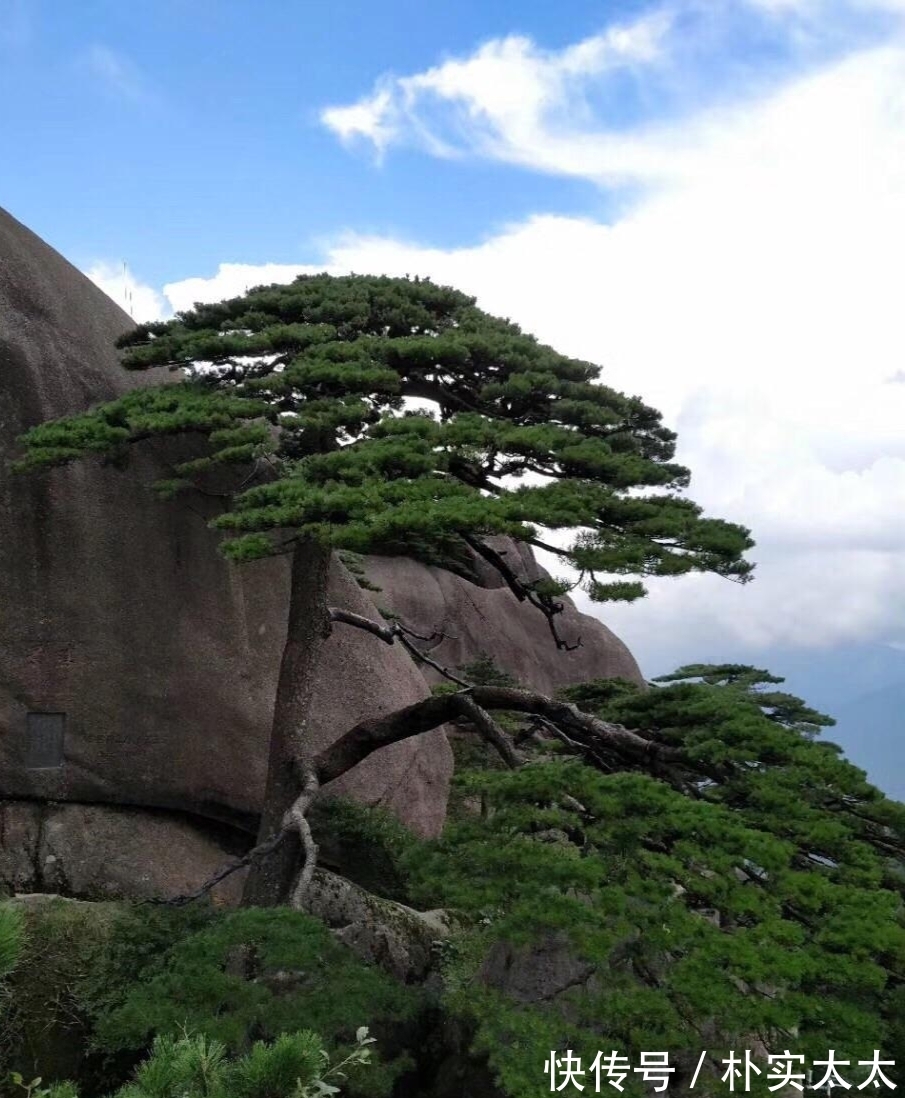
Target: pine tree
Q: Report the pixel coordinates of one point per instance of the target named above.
(751, 898)
(393, 416)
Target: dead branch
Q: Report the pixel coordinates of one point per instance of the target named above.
(297, 817)
(523, 591)
(489, 729)
(386, 633)
(425, 658)
(390, 633)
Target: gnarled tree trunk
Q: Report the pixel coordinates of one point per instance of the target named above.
(271, 877)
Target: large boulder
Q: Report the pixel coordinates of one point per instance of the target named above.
(481, 616)
(136, 665)
(101, 852)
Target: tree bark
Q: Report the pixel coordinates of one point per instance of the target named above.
(270, 879)
(368, 736)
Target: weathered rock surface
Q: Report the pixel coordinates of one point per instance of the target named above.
(119, 613)
(486, 617)
(399, 939)
(96, 852)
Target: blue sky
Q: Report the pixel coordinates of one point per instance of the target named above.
(206, 115)
(705, 196)
(165, 132)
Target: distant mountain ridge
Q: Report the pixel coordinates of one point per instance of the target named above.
(872, 728)
(861, 686)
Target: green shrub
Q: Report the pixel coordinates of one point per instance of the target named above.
(12, 938)
(762, 894)
(97, 983)
(295, 1065)
(256, 974)
(366, 844)
(44, 1018)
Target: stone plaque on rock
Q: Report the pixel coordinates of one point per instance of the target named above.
(44, 749)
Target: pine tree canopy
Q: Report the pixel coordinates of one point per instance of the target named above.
(386, 415)
(761, 907)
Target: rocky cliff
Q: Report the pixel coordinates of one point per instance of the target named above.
(138, 668)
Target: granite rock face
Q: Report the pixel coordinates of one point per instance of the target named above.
(401, 940)
(486, 617)
(123, 630)
(98, 852)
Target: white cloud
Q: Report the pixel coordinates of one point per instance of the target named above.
(140, 301)
(756, 301)
(231, 280)
(144, 303)
(819, 8)
(370, 118)
(562, 111)
(514, 102)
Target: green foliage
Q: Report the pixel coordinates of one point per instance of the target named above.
(269, 1071)
(765, 899)
(195, 1067)
(483, 671)
(114, 977)
(304, 388)
(113, 958)
(35, 1089)
(69, 968)
(355, 564)
(295, 1065)
(12, 938)
(255, 972)
(783, 708)
(366, 844)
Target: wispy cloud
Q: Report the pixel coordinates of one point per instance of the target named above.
(565, 111)
(820, 9)
(117, 72)
(503, 101)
